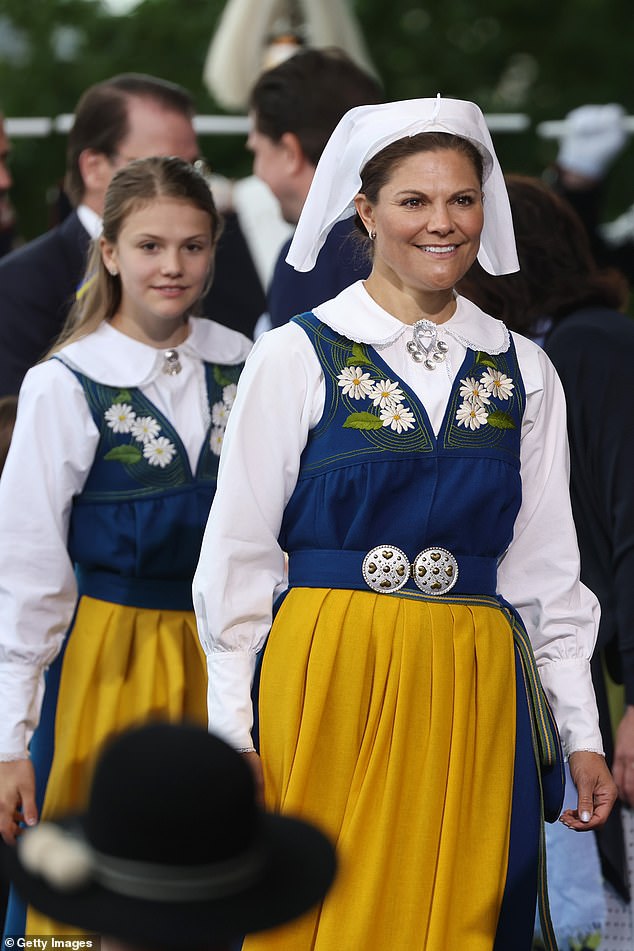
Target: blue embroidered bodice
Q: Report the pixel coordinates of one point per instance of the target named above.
(374, 473)
(142, 512)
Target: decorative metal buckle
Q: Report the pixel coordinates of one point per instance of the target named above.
(386, 569)
(435, 571)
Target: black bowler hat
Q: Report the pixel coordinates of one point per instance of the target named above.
(173, 849)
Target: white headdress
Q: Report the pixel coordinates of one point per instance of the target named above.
(366, 130)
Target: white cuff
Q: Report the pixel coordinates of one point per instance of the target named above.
(568, 686)
(21, 690)
(229, 696)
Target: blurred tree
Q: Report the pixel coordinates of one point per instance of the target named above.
(541, 58)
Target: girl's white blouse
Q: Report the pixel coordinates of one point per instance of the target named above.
(51, 454)
(280, 398)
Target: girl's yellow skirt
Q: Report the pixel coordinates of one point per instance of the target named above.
(390, 723)
(123, 666)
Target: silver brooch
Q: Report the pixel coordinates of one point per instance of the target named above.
(425, 347)
(171, 363)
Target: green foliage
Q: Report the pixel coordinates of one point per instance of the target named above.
(541, 58)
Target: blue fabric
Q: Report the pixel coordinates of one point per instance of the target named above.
(340, 263)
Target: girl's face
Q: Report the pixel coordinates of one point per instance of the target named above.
(428, 220)
(163, 254)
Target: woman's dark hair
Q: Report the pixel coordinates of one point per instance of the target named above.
(379, 169)
(558, 273)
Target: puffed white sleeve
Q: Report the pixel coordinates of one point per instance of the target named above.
(241, 568)
(539, 574)
(51, 452)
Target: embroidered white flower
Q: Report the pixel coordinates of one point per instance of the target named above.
(397, 417)
(355, 382)
(386, 394)
(216, 439)
(229, 394)
(497, 384)
(473, 391)
(145, 428)
(471, 415)
(159, 452)
(120, 417)
(220, 414)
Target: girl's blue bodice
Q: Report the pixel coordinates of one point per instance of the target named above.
(136, 528)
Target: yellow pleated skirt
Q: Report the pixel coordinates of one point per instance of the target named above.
(123, 666)
(390, 723)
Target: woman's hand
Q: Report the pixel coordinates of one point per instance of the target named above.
(17, 798)
(596, 792)
(255, 764)
(623, 766)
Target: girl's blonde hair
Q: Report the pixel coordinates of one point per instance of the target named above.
(132, 187)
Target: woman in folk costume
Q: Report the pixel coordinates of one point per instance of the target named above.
(104, 499)
(409, 455)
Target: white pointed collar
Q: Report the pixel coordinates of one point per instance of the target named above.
(115, 359)
(354, 314)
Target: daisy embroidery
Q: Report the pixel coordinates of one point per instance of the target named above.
(216, 439)
(386, 394)
(397, 417)
(159, 451)
(120, 417)
(145, 428)
(497, 384)
(355, 383)
(471, 415)
(473, 391)
(219, 414)
(229, 394)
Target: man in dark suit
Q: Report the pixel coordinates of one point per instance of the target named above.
(123, 118)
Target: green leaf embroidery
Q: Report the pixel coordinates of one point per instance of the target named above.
(362, 421)
(125, 454)
(501, 420)
(123, 396)
(485, 360)
(359, 357)
(222, 379)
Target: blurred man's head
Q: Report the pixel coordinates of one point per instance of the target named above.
(5, 175)
(294, 109)
(127, 117)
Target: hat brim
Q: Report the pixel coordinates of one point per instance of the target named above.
(299, 867)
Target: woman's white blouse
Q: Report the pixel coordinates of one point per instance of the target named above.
(51, 454)
(280, 398)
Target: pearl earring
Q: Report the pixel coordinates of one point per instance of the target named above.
(371, 235)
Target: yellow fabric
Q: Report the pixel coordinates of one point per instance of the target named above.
(123, 666)
(390, 723)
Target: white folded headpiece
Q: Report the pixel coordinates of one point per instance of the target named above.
(366, 130)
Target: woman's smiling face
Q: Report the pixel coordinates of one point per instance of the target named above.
(428, 220)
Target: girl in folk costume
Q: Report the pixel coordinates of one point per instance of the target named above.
(105, 495)
(411, 461)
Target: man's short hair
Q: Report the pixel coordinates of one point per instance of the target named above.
(101, 118)
(308, 94)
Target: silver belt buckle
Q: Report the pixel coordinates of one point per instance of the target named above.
(386, 569)
(435, 571)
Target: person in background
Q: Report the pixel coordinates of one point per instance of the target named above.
(594, 136)
(126, 869)
(294, 108)
(104, 497)
(129, 116)
(408, 454)
(561, 298)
